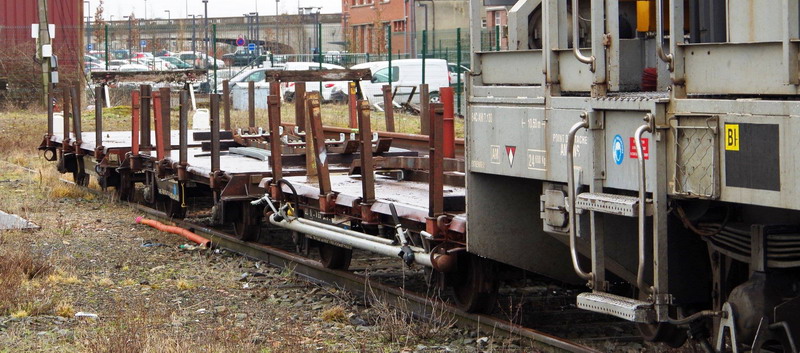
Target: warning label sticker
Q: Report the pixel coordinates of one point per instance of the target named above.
(511, 151)
(495, 154)
(731, 137)
(645, 148)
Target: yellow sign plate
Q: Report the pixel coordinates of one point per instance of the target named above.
(731, 137)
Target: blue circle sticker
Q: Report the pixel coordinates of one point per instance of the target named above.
(618, 149)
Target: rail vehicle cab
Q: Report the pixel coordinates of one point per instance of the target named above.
(647, 151)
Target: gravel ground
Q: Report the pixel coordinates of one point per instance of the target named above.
(109, 285)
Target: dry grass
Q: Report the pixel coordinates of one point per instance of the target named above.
(21, 292)
(334, 314)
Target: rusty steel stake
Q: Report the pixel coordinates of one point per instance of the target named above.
(215, 135)
(144, 119)
(436, 160)
(352, 105)
(183, 136)
(367, 170)
(449, 132)
(49, 115)
(251, 103)
(388, 107)
(166, 124)
(226, 103)
(159, 126)
(320, 149)
(274, 115)
(76, 119)
(98, 122)
(424, 110)
(300, 105)
(135, 110)
(66, 109)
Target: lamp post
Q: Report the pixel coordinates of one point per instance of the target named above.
(206, 58)
(169, 33)
(249, 27)
(194, 34)
(276, 23)
(88, 24)
(256, 35)
(145, 10)
(130, 35)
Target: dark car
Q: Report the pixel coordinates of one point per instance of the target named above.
(242, 57)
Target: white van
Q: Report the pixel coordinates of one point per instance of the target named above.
(406, 74)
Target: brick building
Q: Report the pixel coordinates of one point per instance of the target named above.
(369, 23)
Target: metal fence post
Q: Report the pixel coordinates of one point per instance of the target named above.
(107, 53)
(214, 49)
(319, 54)
(459, 84)
(497, 37)
(424, 52)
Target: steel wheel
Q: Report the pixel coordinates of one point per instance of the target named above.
(171, 207)
(474, 285)
(334, 257)
(248, 225)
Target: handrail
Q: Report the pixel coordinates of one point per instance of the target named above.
(576, 43)
(647, 127)
(571, 193)
(667, 58)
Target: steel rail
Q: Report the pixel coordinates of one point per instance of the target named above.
(419, 304)
(311, 270)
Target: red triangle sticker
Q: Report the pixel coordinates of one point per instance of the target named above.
(510, 152)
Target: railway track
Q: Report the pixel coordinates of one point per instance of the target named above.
(419, 305)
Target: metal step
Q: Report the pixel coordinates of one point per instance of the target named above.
(621, 307)
(612, 204)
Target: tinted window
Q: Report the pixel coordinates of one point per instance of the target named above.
(382, 75)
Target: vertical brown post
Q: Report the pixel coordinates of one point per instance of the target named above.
(388, 107)
(251, 104)
(436, 160)
(146, 94)
(424, 110)
(98, 122)
(166, 120)
(352, 105)
(300, 105)
(183, 136)
(367, 170)
(49, 115)
(226, 104)
(214, 133)
(311, 163)
(319, 150)
(76, 119)
(274, 113)
(67, 98)
(135, 124)
(449, 129)
(158, 122)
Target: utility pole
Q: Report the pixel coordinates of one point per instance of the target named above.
(44, 40)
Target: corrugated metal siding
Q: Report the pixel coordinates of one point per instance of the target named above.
(17, 48)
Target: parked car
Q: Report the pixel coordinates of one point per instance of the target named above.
(90, 59)
(157, 64)
(331, 90)
(93, 66)
(406, 74)
(114, 65)
(454, 71)
(133, 67)
(200, 60)
(179, 64)
(241, 57)
(257, 75)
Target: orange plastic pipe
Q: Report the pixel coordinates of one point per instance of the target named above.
(175, 230)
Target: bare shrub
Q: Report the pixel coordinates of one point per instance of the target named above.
(21, 292)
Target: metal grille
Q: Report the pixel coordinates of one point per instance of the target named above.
(697, 157)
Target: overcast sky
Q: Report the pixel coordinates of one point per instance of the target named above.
(216, 8)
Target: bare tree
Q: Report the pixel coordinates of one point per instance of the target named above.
(99, 24)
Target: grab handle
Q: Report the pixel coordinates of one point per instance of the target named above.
(576, 43)
(571, 192)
